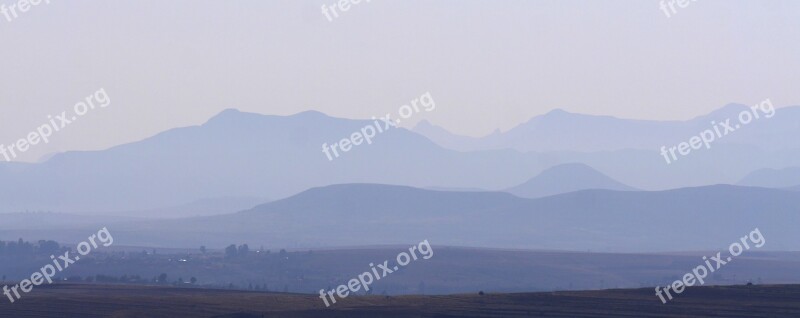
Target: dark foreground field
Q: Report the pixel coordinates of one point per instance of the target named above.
(65, 300)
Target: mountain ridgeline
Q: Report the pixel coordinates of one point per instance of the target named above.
(245, 155)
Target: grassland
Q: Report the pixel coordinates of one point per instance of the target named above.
(76, 300)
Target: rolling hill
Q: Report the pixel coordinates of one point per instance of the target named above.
(368, 214)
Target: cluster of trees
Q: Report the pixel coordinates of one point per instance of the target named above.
(22, 248)
(257, 287)
(233, 251)
(162, 279)
(132, 279)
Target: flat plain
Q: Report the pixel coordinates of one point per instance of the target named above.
(77, 300)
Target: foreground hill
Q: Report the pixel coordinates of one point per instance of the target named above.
(450, 270)
(599, 220)
(369, 214)
(567, 178)
(122, 301)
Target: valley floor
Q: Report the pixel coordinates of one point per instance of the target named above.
(75, 300)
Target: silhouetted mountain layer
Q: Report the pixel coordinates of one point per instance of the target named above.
(560, 130)
(245, 155)
(599, 220)
(239, 154)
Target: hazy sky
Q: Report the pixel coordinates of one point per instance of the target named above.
(488, 64)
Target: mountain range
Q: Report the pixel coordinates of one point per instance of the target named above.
(560, 130)
(246, 155)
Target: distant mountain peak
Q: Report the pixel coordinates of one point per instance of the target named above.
(438, 134)
(557, 114)
(558, 111)
(561, 116)
(422, 124)
(728, 111)
(571, 166)
(734, 106)
(227, 114)
(311, 114)
(773, 178)
(233, 116)
(564, 178)
(230, 111)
